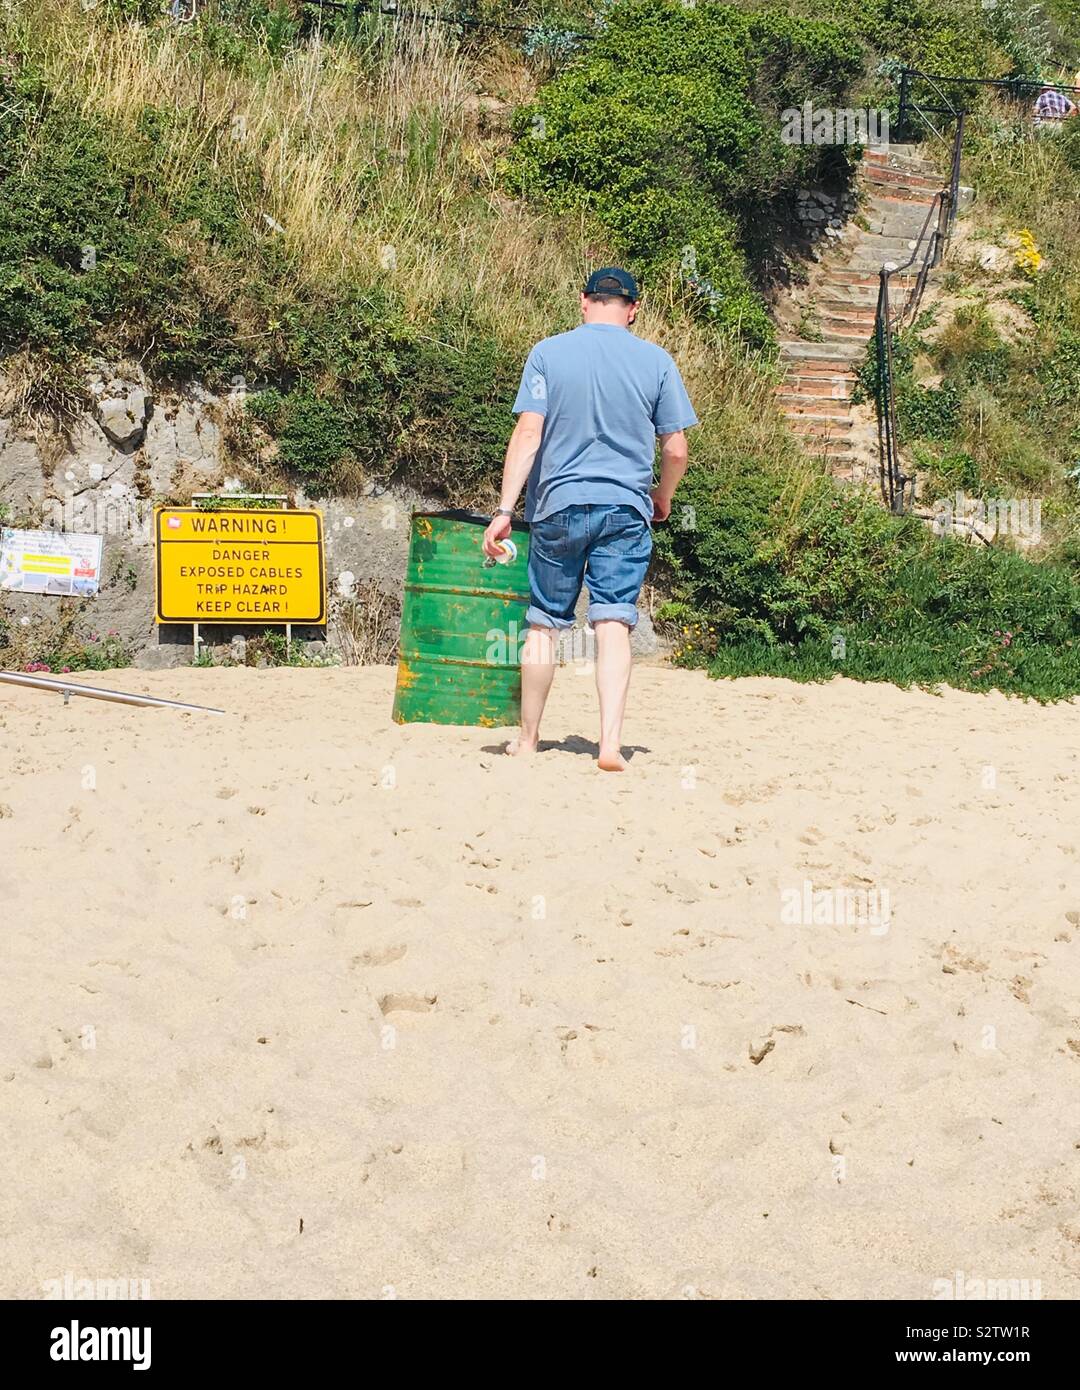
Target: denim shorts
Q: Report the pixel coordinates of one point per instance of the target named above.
(607, 547)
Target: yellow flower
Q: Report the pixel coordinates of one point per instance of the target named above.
(1027, 255)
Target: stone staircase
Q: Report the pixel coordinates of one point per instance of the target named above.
(820, 361)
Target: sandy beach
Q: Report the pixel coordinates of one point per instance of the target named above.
(299, 1003)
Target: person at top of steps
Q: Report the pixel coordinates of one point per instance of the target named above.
(591, 405)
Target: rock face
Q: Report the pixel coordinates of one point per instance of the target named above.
(823, 213)
(132, 451)
(123, 409)
(103, 478)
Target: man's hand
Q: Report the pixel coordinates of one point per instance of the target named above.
(498, 529)
(661, 504)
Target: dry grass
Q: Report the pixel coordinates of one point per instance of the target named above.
(394, 146)
(366, 626)
(358, 151)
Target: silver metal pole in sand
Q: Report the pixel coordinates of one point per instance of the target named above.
(93, 692)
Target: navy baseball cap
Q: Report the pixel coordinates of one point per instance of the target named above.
(612, 280)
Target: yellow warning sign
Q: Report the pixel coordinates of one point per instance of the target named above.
(239, 566)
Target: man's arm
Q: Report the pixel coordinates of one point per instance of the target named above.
(673, 460)
(520, 456)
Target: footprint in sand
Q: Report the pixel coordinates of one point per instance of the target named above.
(408, 1003)
(385, 955)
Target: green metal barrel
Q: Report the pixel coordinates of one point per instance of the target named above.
(461, 625)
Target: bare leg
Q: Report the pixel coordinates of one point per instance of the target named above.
(612, 683)
(537, 669)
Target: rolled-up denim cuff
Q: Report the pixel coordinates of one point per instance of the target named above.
(535, 618)
(613, 612)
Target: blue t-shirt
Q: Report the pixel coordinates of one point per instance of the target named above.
(605, 396)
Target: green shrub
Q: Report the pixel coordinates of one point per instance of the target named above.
(313, 436)
(771, 582)
(667, 130)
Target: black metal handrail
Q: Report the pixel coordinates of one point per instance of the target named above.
(894, 482)
(1011, 86)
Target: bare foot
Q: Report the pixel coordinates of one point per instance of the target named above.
(611, 760)
(520, 747)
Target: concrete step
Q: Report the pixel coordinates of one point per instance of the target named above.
(816, 388)
(844, 333)
(796, 407)
(871, 260)
(832, 452)
(849, 297)
(824, 387)
(834, 444)
(899, 156)
(893, 231)
(887, 245)
(900, 212)
(896, 219)
(853, 315)
(882, 200)
(798, 350)
(820, 425)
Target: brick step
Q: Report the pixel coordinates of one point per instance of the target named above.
(854, 275)
(884, 177)
(834, 388)
(910, 197)
(902, 191)
(882, 174)
(819, 370)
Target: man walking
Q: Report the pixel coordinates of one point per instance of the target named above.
(591, 405)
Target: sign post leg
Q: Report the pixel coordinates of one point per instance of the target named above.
(195, 639)
(288, 641)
